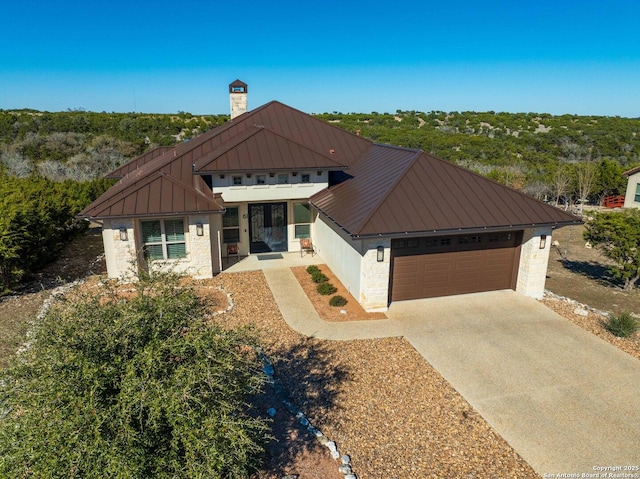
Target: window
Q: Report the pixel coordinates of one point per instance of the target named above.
(302, 220)
(413, 243)
(237, 180)
(231, 226)
(476, 239)
(637, 197)
(305, 178)
(445, 241)
(261, 179)
(163, 239)
(283, 178)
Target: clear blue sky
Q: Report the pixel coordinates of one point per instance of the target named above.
(553, 56)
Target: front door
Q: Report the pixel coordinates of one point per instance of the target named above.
(268, 227)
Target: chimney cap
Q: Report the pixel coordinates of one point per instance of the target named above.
(238, 87)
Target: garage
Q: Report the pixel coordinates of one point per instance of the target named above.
(428, 267)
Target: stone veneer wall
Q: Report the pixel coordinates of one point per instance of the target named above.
(532, 272)
(374, 290)
(120, 255)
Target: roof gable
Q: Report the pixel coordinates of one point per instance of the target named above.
(259, 148)
(157, 194)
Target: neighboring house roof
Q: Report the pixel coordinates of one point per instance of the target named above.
(157, 194)
(632, 171)
(395, 191)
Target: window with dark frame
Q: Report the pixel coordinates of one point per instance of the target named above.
(163, 239)
(237, 181)
(283, 178)
(302, 220)
(305, 178)
(637, 197)
(231, 225)
(261, 179)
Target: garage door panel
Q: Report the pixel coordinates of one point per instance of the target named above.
(454, 272)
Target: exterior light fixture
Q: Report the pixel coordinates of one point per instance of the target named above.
(543, 241)
(124, 236)
(380, 254)
(199, 229)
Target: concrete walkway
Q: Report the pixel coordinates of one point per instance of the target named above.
(564, 399)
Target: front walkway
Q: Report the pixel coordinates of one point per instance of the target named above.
(564, 399)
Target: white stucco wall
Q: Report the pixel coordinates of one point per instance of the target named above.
(629, 197)
(252, 193)
(355, 263)
(339, 253)
(532, 272)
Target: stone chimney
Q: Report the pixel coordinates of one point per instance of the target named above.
(238, 98)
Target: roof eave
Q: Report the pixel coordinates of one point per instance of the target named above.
(457, 231)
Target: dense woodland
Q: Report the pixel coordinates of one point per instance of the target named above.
(51, 164)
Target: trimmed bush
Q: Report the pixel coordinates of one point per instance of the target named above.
(623, 324)
(338, 300)
(326, 289)
(319, 277)
(312, 269)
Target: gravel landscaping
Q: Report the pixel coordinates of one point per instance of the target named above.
(381, 402)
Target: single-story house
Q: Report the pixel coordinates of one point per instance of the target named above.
(392, 223)
(632, 198)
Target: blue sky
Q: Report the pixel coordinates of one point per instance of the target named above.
(577, 57)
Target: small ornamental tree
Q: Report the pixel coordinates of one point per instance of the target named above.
(617, 235)
(132, 387)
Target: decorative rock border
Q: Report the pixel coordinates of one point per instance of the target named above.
(345, 460)
(580, 308)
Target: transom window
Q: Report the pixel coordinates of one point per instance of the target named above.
(302, 219)
(261, 179)
(163, 239)
(231, 225)
(305, 178)
(283, 178)
(637, 197)
(237, 180)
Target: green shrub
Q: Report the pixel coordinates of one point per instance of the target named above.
(326, 289)
(312, 269)
(125, 385)
(338, 300)
(319, 277)
(623, 324)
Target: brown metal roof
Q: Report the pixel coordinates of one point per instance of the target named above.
(152, 195)
(258, 148)
(399, 191)
(128, 167)
(632, 171)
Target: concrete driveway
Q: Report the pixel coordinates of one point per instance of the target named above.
(565, 400)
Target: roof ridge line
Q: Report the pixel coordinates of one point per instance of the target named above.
(390, 189)
(233, 142)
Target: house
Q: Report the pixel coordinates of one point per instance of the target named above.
(632, 198)
(392, 223)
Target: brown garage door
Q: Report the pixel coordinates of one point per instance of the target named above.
(448, 265)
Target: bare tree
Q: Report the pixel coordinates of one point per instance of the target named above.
(560, 186)
(585, 181)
